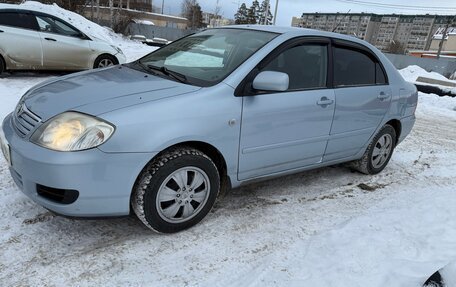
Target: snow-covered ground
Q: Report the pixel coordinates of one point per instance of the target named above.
(327, 227)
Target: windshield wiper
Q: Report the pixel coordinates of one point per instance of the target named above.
(177, 76)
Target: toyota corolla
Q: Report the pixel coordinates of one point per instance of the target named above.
(217, 109)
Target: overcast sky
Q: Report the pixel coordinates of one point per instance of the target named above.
(290, 8)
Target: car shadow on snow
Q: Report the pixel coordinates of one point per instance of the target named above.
(320, 184)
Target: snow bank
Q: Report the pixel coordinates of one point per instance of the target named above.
(88, 27)
(437, 102)
(411, 73)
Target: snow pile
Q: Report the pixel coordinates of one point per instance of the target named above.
(438, 103)
(83, 24)
(411, 73)
(132, 49)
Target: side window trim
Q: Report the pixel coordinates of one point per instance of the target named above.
(24, 12)
(245, 89)
(364, 50)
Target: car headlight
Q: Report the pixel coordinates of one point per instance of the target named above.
(72, 131)
(117, 49)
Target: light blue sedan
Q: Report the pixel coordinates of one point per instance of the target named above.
(162, 136)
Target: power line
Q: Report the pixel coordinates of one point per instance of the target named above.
(396, 6)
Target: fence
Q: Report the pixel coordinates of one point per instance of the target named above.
(151, 31)
(442, 66)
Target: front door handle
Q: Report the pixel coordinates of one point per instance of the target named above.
(383, 96)
(324, 102)
(51, 39)
(1, 31)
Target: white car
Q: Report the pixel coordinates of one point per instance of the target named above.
(31, 40)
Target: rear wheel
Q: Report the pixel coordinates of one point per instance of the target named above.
(105, 61)
(378, 152)
(176, 190)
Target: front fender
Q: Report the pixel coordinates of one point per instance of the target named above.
(205, 116)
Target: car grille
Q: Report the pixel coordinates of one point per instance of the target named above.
(24, 120)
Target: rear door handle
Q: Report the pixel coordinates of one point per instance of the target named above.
(51, 39)
(1, 31)
(383, 96)
(324, 101)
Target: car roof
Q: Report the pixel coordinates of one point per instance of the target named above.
(297, 32)
(16, 9)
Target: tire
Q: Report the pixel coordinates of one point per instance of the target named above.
(2, 65)
(383, 144)
(105, 60)
(164, 202)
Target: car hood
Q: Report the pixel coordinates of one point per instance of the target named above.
(100, 91)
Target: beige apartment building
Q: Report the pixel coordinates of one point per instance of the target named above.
(449, 43)
(413, 32)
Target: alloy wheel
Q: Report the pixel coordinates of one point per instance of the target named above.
(105, 63)
(382, 150)
(183, 194)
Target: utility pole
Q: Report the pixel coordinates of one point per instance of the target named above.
(275, 12)
(163, 5)
(443, 38)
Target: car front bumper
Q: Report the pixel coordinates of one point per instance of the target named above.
(103, 181)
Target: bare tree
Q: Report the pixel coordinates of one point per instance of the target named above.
(217, 11)
(111, 12)
(98, 11)
(396, 47)
(192, 11)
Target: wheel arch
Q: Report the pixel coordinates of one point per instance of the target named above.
(104, 55)
(211, 151)
(2, 59)
(396, 124)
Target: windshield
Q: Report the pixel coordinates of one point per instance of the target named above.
(206, 58)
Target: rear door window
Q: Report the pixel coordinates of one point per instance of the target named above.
(354, 67)
(18, 20)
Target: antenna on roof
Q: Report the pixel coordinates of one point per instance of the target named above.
(340, 20)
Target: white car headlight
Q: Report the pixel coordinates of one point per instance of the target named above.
(72, 131)
(117, 49)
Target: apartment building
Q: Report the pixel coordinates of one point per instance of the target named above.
(412, 32)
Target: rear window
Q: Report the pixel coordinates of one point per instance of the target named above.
(18, 20)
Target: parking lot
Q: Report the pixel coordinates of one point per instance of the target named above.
(329, 224)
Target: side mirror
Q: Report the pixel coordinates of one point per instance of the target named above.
(271, 81)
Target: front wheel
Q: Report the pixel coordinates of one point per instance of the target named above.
(2, 65)
(176, 190)
(105, 61)
(378, 153)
